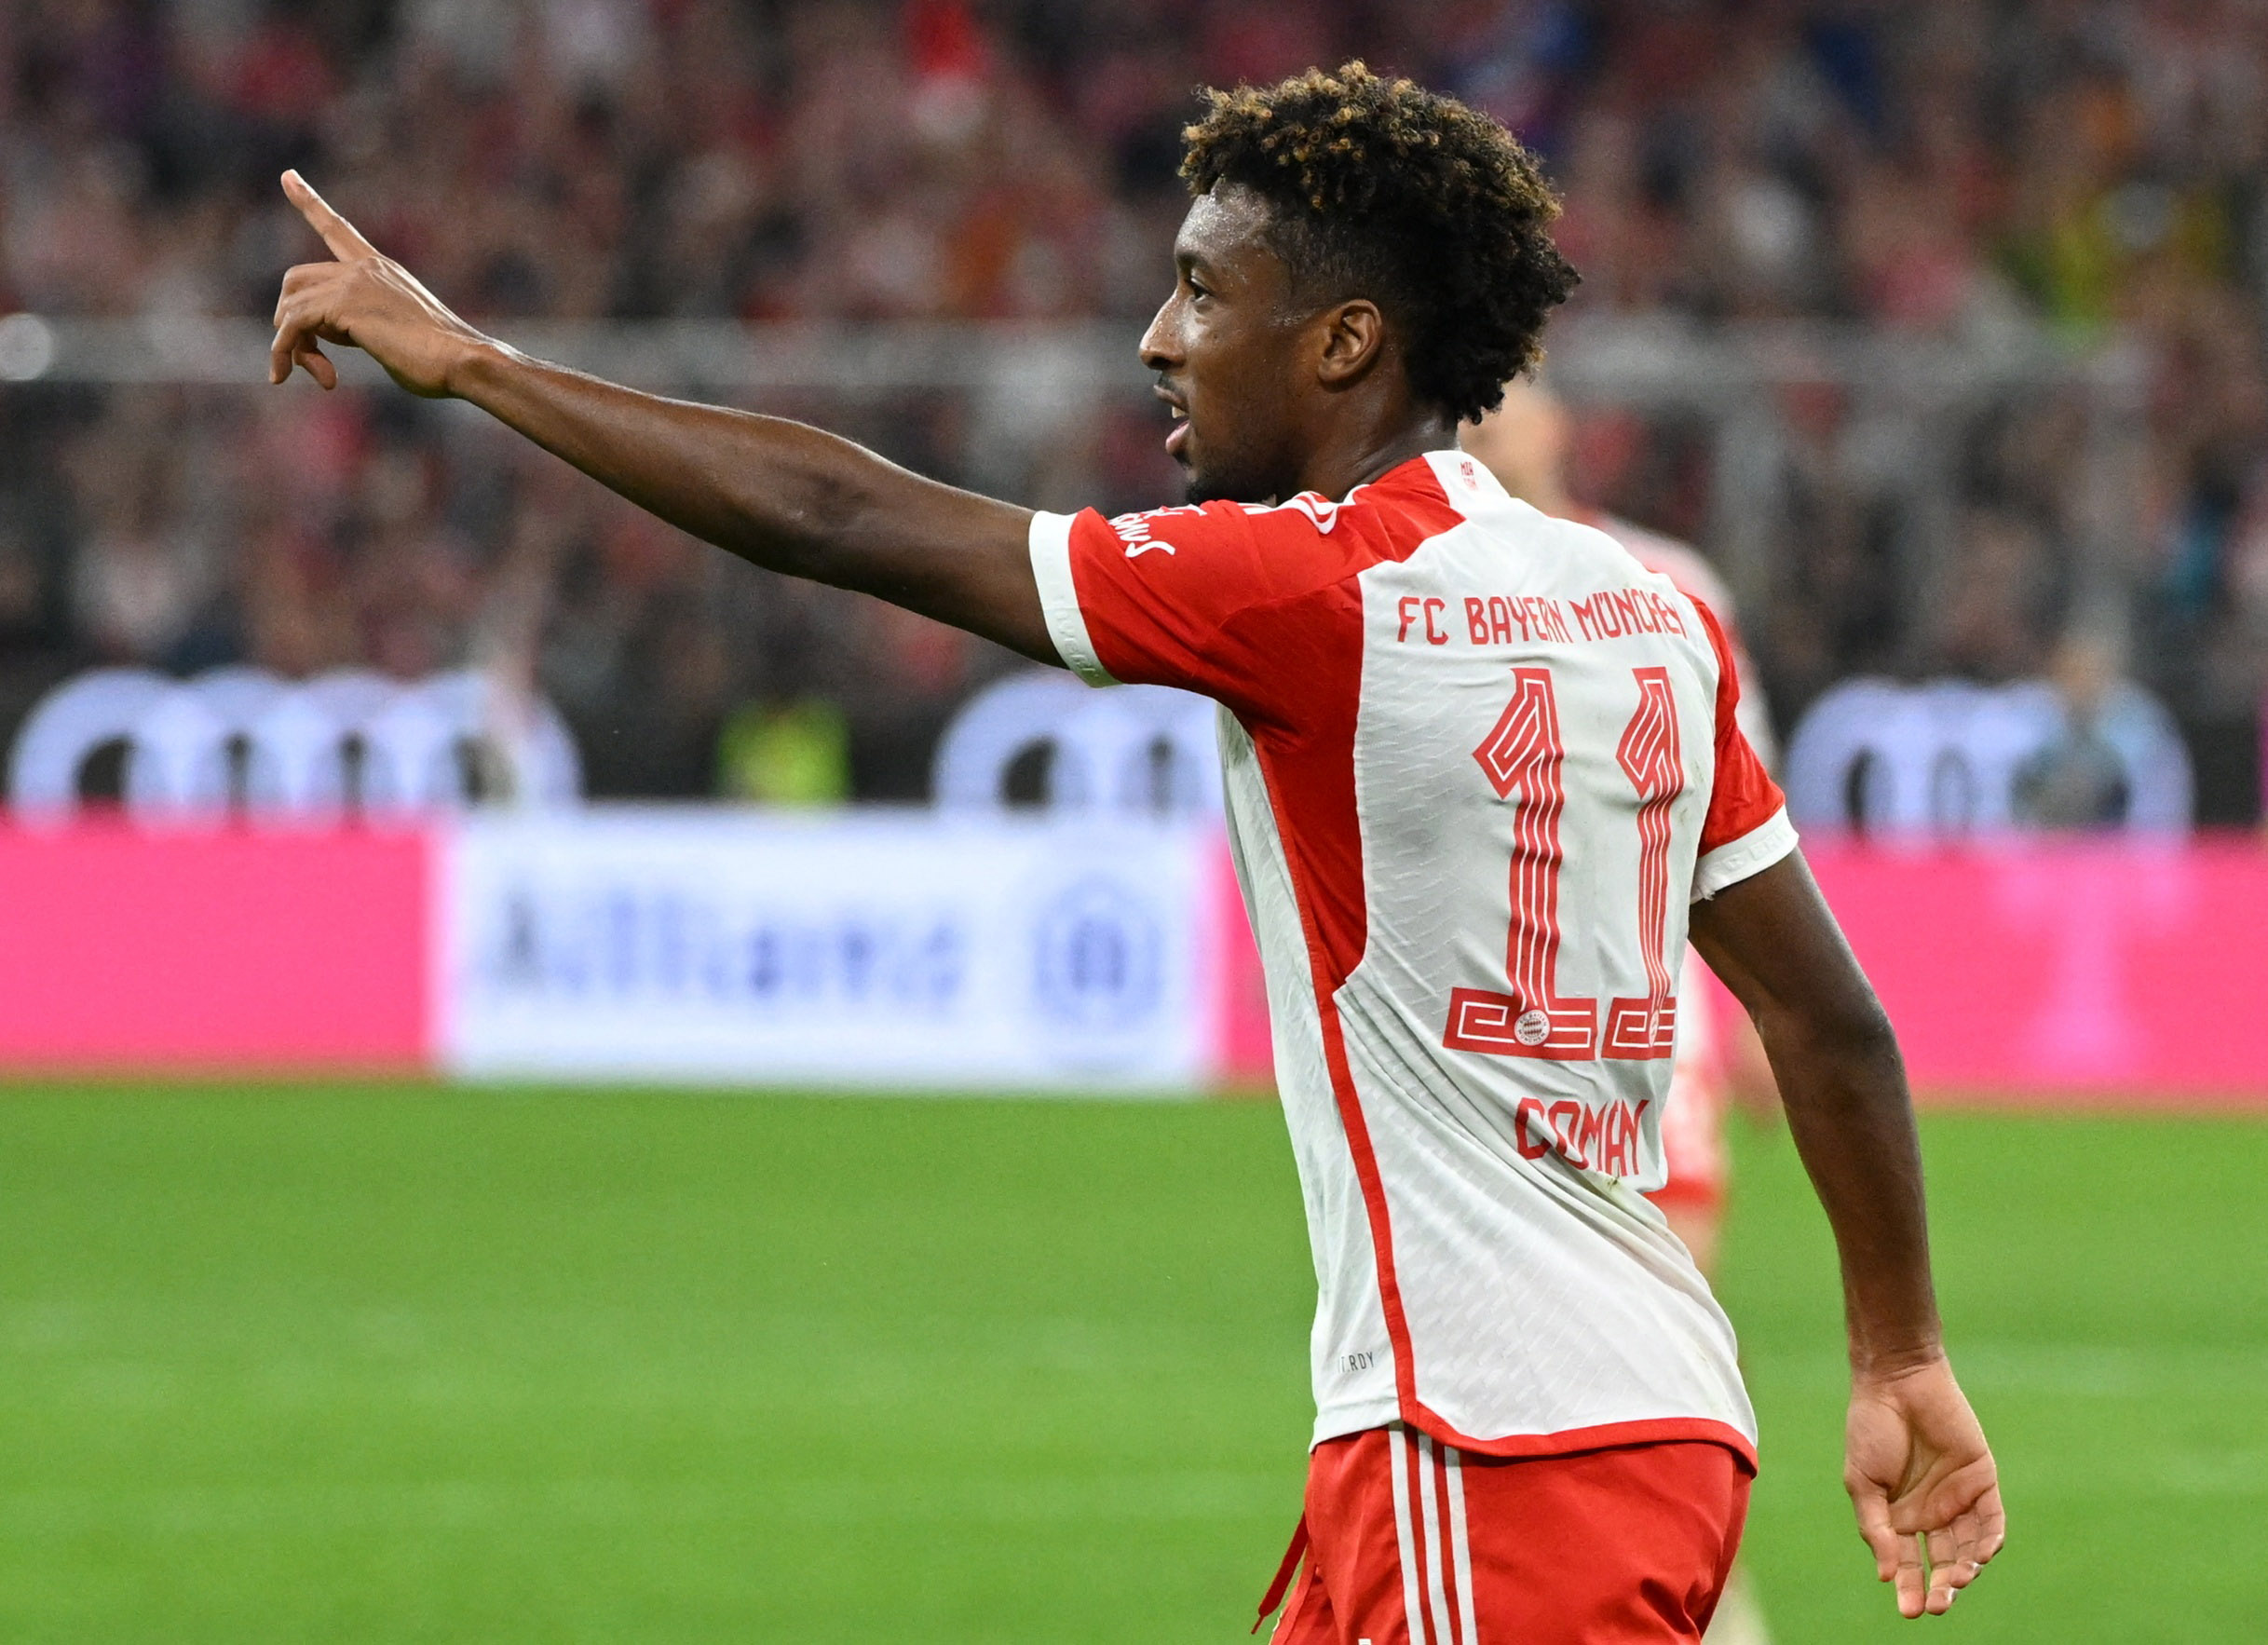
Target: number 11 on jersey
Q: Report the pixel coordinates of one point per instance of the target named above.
(1524, 754)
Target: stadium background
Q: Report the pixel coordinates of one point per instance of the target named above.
(1937, 326)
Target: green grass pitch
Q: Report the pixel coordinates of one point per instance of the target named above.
(377, 1365)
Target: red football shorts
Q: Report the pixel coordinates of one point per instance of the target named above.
(1414, 1542)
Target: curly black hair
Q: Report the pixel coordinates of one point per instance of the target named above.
(1382, 189)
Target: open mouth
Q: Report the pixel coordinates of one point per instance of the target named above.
(1179, 437)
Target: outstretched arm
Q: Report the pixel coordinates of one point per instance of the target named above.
(1921, 1476)
(775, 492)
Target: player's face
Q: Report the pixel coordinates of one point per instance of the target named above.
(1226, 348)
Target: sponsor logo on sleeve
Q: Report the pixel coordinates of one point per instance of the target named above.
(1134, 530)
(1138, 532)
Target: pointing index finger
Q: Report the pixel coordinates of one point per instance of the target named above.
(346, 242)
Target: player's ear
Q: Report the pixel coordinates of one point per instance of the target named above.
(1352, 333)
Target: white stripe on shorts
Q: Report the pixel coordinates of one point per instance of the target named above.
(1460, 1545)
(1399, 1451)
(1437, 1600)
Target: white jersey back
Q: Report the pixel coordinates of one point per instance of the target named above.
(1477, 762)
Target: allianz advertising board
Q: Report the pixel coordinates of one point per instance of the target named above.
(912, 950)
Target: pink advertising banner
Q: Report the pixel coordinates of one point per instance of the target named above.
(2113, 971)
(214, 950)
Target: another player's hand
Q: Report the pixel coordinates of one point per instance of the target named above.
(1924, 1483)
(365, 299)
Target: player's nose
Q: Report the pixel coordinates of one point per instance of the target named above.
(1160, 346)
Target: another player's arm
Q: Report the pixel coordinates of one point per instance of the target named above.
(778, 493)
(1920, 1476)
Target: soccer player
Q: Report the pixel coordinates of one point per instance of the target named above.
(1483, 771)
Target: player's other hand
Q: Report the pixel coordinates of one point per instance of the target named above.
(366, 300)
(1924, 1483)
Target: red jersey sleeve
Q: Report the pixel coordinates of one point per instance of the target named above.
(1747, 828)
(1187, 596)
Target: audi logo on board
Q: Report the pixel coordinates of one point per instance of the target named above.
(1950, 758)
(242, 738)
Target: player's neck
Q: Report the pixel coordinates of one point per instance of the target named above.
(1361, 453)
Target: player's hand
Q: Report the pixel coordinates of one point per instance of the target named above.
(366, 300)
(1924, 1483)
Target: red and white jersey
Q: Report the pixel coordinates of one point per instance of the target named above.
(1477, 761)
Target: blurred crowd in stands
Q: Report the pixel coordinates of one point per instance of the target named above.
(1949, 170)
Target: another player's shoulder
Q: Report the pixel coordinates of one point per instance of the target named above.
(1681, 563)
